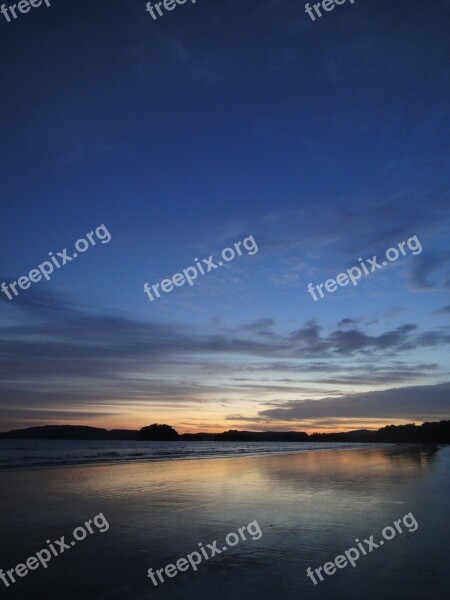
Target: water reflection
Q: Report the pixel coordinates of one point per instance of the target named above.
(310, 507)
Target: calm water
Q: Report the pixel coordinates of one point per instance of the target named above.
(43, 453)
(310, 507)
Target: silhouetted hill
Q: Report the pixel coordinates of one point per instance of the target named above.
(68, 432)
(429, 432)
(159, 433)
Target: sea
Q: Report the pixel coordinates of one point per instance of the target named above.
(33, 454)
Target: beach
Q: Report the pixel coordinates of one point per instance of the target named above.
(309, 506)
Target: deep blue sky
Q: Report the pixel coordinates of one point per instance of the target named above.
(327, 141)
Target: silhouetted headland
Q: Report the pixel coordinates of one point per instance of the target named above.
(437, 432)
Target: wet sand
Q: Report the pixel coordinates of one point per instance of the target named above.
(310, 508)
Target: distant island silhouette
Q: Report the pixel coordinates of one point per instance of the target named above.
(437, 432)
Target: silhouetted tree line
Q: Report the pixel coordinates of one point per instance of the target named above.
(434, 432)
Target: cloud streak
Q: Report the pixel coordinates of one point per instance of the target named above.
(64, 356)
(416, 403)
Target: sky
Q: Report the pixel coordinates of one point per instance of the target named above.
(324, 142)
